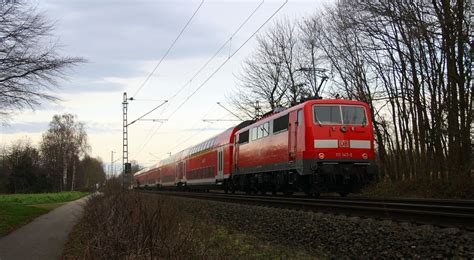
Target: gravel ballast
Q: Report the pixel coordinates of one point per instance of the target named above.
(336, 236)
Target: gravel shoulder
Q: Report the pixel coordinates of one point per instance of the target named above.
(44, 237)
(332, 236)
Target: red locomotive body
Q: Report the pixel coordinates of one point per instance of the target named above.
(316, 146)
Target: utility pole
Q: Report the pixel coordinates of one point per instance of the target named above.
(112, 168)
(126, 166)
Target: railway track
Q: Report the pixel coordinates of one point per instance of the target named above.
(445, 213)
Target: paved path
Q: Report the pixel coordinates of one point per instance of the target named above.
(44, 237)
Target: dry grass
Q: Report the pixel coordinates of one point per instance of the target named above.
(462, 189)
(132, 225)
(129, 225)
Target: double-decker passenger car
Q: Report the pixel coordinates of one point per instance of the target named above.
(316, 146)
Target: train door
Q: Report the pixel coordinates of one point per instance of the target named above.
(236, 156)
(220, 163)
(184, 170)
(176, 173)
(300, 145)
(292, 135)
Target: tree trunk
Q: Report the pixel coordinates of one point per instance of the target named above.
(73, 174)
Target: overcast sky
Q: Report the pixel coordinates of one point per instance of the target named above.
(122, 42)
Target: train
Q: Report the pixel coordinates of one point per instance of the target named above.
(317, 146)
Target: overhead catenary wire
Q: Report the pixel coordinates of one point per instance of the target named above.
(154, 131)
(184, 140)
(218, 50)
(226, 60)
(168, 51)
(219, 103)
(202, 68)
(147, 113)
(147, 140)
(221, 65)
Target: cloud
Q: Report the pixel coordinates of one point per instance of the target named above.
(117, 38)
(27, 127)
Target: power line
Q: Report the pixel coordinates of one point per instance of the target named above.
(204, 66)
(219, 103)
(218, 50)
(223, 63)
(220, 66)
(183, 140)
(147, 140)
(147, 113)
(169, 49)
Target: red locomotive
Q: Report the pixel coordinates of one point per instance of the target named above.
(316, 146)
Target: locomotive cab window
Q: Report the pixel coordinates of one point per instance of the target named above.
(327, 115)
(244, 137)
(338, 115)
(280, 124)
(353, 115)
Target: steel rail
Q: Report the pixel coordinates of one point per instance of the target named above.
(444, 213)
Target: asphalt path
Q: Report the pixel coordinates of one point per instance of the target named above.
(44, 237)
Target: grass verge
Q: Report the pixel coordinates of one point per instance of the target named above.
(19, 209)
(134, 225)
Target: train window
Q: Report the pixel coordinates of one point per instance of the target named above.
(300, 117)
(259, 132)
(280, 124)
(265, 129)
(244, 137)
(327, 115)
(254, 133)
(353, 115)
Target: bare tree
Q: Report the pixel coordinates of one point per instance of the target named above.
(29, 63)
(273, 74)
(90, 171)
(408, 61)
(62, 146)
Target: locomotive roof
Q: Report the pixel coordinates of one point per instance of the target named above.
(301, 105)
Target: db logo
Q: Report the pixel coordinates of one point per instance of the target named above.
(343, 143)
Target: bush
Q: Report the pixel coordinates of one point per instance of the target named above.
(459, 189)
(128, 224)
